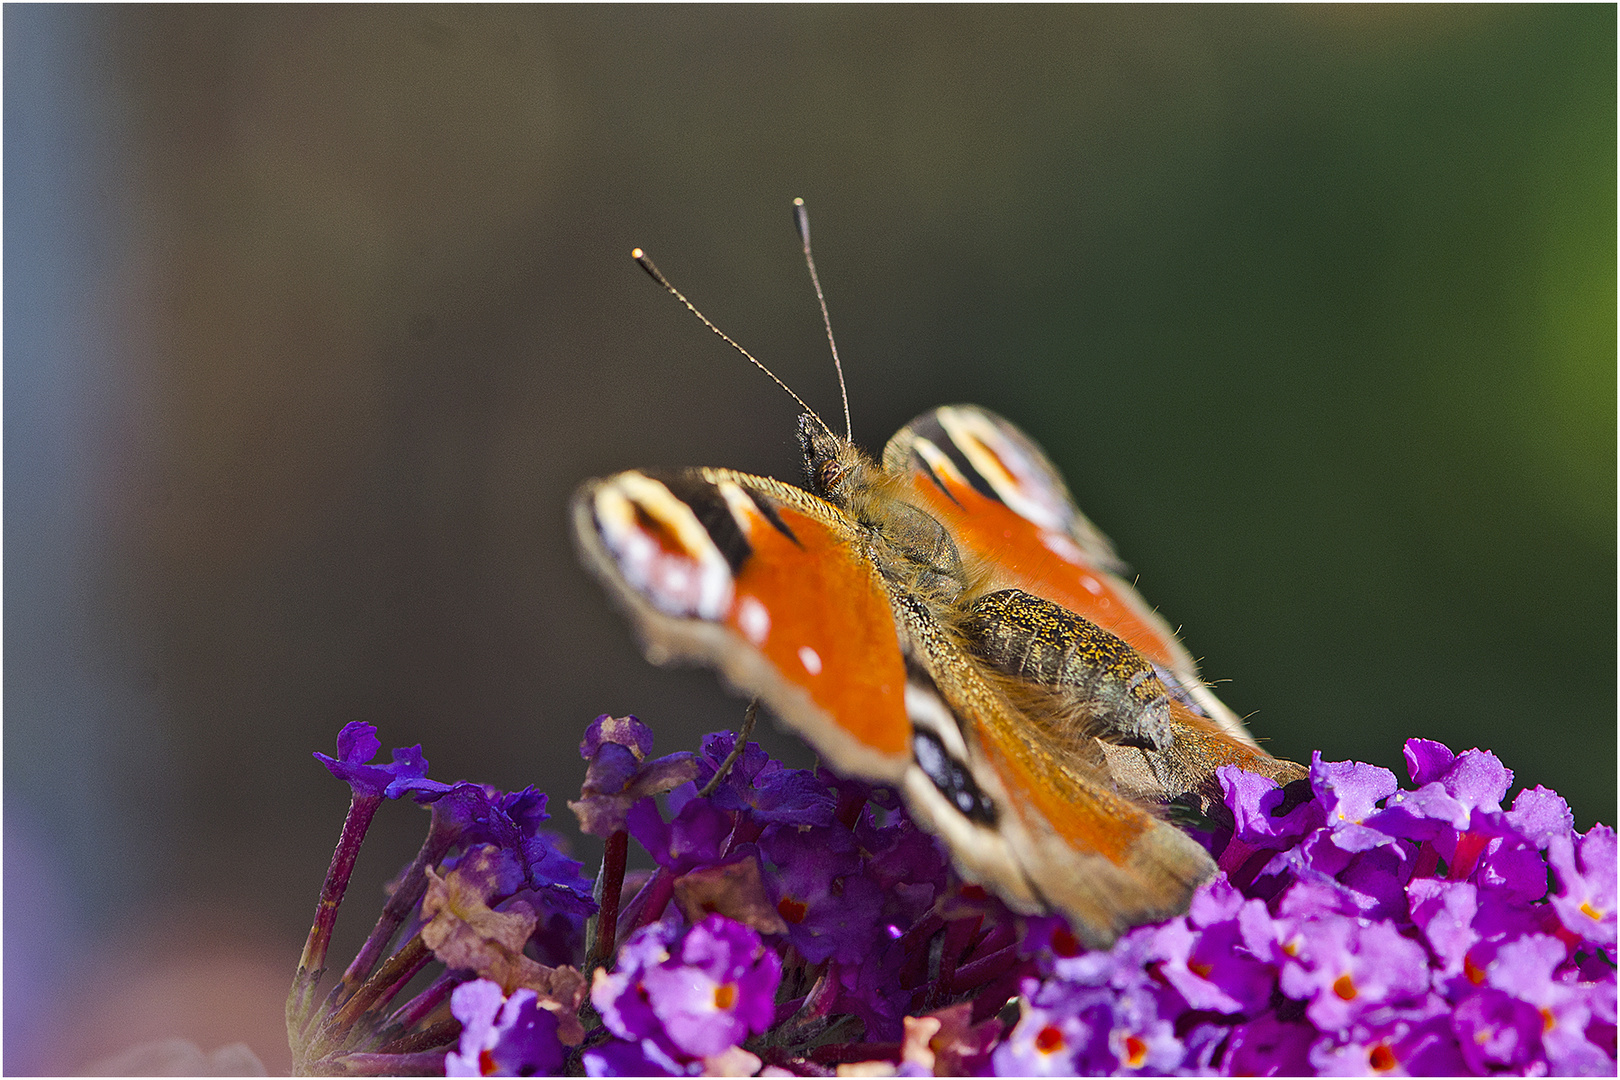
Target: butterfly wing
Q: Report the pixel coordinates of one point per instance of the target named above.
(762, 581)
(1005, 502)
(1027, 803)
(769, 584)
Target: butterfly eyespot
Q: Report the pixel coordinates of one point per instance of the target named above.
(951, 777)
(662, 549)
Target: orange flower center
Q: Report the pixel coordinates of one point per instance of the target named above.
(1345, 987)
(1381, 1058)
(725, 996)
(1049, 1040)
(1135, 1051)
(791, 910)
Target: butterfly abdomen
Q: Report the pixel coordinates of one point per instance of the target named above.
(1105, 686)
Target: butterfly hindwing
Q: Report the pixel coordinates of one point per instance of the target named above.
(1025, 800)
(1006, 504)
(716, 567)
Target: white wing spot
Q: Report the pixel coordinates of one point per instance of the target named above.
(810, 659)
(1062, 547)
(1091, 584)
(753, 620)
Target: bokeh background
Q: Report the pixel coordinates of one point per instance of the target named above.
(314, 318)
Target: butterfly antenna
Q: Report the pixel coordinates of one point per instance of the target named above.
(657, 275)
(801, 221)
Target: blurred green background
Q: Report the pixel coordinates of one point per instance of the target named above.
(316, 316)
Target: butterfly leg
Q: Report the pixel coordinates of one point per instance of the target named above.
(750, 715)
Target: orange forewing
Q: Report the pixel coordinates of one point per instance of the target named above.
(853, 668)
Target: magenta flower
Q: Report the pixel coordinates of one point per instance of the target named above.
(503, 1036)
(797, 922)
(1585, 900)
(685, 997)
(718, 985)
(1341, 968)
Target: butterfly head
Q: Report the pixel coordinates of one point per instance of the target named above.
(834, 467)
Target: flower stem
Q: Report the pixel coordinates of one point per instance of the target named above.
(312, 964)
(647, 905)
(609, 886)
(393, 974)
(434, 1035)
(413, 1011)
(412, 884)
(749, 716)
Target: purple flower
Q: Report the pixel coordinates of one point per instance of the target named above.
(469, 816)
(618, 775)
(1585, 900)
(503, 1036)
(1056, 1034)
(695, 837)
(1497, 1031)
(908, 866)
(625, 731)
(1257, 804)
(1421, 1046)
(718, 985)
(1269, 1047)
(1528, 969)
(767, 789)
(1444, 911)
(695, 995)
(615, 1057)
(831, 908)
(619, 995)
(1212, 968)
(1342, 968)
(1069, 1029)
(1539, 815)
(1354, 928)
(1349, 791)
(357, 745)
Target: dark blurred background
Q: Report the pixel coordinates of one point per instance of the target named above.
(316, 316)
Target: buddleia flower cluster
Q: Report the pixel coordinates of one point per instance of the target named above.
(796, 923)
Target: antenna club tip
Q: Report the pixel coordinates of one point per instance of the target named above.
(798, 202)
(637, 254)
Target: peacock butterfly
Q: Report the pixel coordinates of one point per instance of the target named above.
(946, 621)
